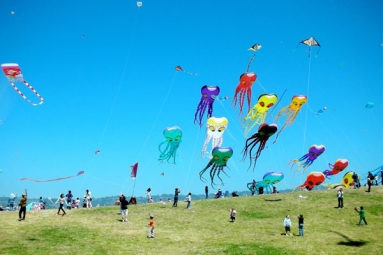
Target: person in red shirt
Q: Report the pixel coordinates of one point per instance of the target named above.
(151, 227)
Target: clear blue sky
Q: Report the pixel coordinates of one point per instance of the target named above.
(116, 89)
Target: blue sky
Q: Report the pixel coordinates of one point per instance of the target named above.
(106, 72)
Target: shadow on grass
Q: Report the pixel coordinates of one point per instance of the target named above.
(350, 242)
(273, 200)
(32, 239)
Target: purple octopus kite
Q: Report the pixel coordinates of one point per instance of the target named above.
(208, 94)
(307, 159)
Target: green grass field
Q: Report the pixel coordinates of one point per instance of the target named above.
(205, 228)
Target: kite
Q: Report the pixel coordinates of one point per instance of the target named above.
(179, 69)
(338, 167)
(52, 180)
(290, 112)
(219, 98)
(347, 181)
(270, 179)
(216, 165)
(320, 111)
(139, 4)
(206, 101)
(173, 136)
(310, 42)
(246, 81)
(134, 169)
(370, 105)
(264, 132)
(313, 179)
(260, 184)
(257, 114)
(255, 47)
(215, 127)
(97, 152)
(306, 160)
(162, 174)
(13, 73)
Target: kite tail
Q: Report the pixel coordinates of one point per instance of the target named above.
(248, 65)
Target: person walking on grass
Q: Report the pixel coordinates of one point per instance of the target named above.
(124, 209)
(340, 198)
(207, 192)
(151, 227)
(62, 200)
(361, 215)
(233, 213)
(176, 192)
(287, 224)
(23, 205)
(188, 199)
(300, 224)
(88, 199)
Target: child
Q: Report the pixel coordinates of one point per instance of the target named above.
(287, 224)
(62, 200)
(151, 227)
(233, 213)
(300, 224)
(361, 215)
(188, 199)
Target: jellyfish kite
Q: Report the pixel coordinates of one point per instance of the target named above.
(246, 81)
(217, 164)
(173, 136)
(257, 114)
(13, 73)
(313, 179)
(338, 167)
(264, 132)
(310, 42)
(290, 112)
(215, 127)
(306, 160)
(206, 101)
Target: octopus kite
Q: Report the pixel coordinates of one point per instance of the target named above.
(216, 165)
(306, 160)
(246, 81)
(264, 132)
(290, 112)
(313, 179)
(338, 167)
(257, 114)
(13, 73)
(173, 136)
(215, 128)
(208, 93)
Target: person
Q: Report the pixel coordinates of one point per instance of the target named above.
(124, 209)
(120, 202)
(235, 194)
(253, 187)
(23, 205)
(188, 199)
(176, 192)
(218, 194)
(233, 213)
(300, 224)
(361, 215)
(88, 199)
(149, 195)
(207, 191)
(355, 178)
(287, 224)
(340, 198)
(11, 201)
(42, 203)
(69, 199)
(61, 199)
(369, 183)
(77, 202)
(381, 176)
(151, 227)
(275, 190)
(1, 208)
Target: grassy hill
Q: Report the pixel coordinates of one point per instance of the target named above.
(205, 228)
